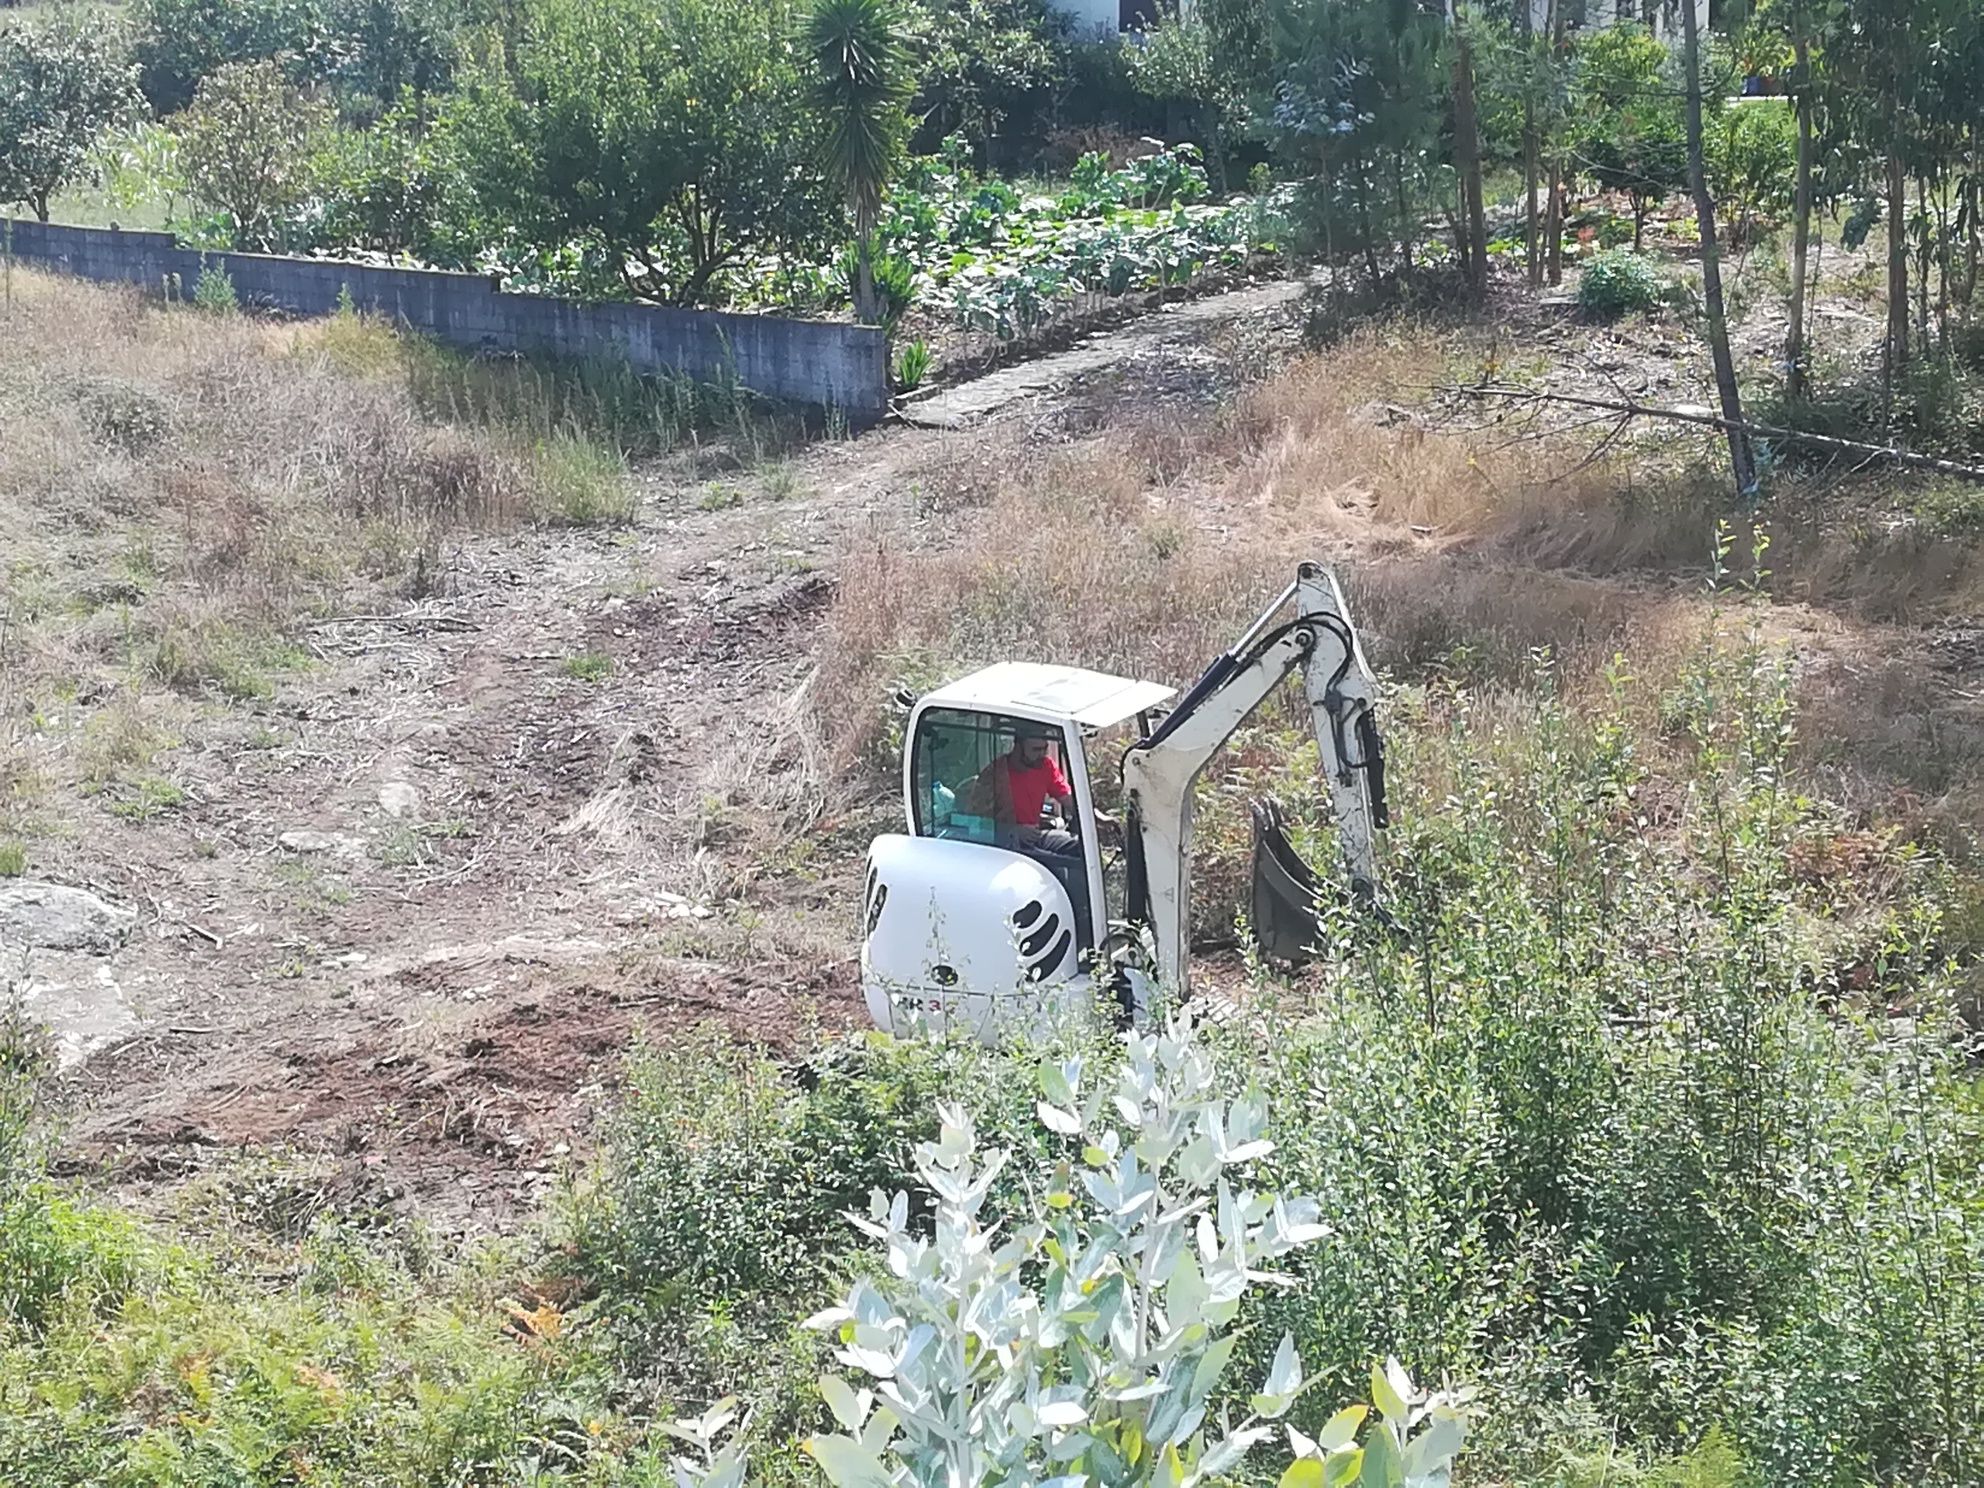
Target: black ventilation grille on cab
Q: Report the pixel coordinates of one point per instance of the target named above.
(877, 894)
(1043, 941)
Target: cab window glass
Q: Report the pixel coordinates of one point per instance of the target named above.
(949, 764)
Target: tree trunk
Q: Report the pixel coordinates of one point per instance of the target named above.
(1553, 225)
(864, 282)
(1553, 216)
(1801, 229)
(1974, 198)
(1209, 143)
(1364, 223)
(1531, 238)
(1897, 345)
(40, 204)
(1532, 149)
(1408, 239)
(1329, 220)
(1467, 155)
(1922, 267)
(1741, 458)
(1943, 264)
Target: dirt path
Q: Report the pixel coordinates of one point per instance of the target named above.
(412, 911)
(971, 402)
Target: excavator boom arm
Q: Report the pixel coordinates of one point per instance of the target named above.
(1160, 771)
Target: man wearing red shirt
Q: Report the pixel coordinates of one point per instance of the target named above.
(1015, 788)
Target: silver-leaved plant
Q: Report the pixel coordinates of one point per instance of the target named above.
(1082, 1348)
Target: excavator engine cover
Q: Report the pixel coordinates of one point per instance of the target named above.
(1283, 904)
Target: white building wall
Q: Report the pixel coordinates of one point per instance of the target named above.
(1090, 18)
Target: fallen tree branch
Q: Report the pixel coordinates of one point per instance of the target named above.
(1632, 408)
(413, 620)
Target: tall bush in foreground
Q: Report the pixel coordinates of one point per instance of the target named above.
(1088, 1341)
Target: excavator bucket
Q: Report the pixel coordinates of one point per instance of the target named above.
(1283, 904)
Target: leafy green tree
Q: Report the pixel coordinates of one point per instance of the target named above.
(1742, 458)
(1523, 104)
(1471, 228)
(647, 147)
(1629, 134)
(1178, 61)
(983, 64)
(1898, 83)
(371, 51)
(390, 189)
(389, 49)
(178, 43)
(245, 148)
(61, 85)
(1799, 26)
(861, 77)
(1359, 111)
(1753, 164)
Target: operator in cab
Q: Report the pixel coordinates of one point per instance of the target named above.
(1015, 788)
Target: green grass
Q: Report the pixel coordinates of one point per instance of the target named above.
(589, 666)
(401, 847)
(197, 653)
(580, 482)
(315, 887)
(147, 799)
(13, 860)
(273, 1332)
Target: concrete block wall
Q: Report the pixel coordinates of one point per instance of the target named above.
(833, 365)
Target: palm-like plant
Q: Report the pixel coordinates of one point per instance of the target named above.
(860, 81)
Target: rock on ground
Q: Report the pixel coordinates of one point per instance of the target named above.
(55, 917)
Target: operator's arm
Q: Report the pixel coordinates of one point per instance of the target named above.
(1058, 791)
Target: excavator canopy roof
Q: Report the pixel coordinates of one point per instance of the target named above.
(1093, 700)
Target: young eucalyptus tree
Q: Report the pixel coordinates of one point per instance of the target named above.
(1087, 1346)
(1741, 457)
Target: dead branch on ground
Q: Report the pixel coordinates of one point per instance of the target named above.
(1632, 408)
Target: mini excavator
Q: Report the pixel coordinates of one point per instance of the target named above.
(999, 907)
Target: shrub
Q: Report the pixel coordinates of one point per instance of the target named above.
(1752, 153)
(213, 292)
(245, 147)
(1620, 1116)
(1089, 1335)
(580, 482)
(730, 1181)
(1616, 283)
(912, 366)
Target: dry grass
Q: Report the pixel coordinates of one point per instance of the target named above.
(1145, 549)
(182, 488)
(1467, 556)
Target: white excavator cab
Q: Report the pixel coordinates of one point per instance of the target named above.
(989, 910)
(995, 912)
